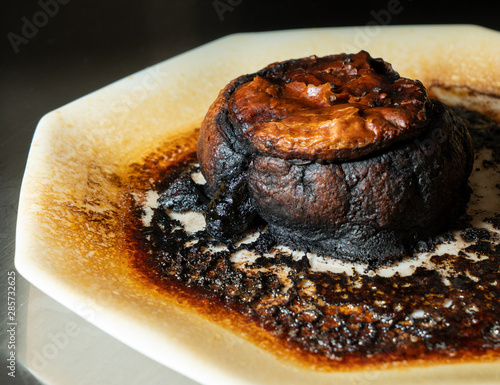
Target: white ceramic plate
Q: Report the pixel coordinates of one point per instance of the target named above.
(69, 240)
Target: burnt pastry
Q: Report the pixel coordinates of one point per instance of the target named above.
(339, 155)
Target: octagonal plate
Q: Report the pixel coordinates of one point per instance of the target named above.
(69, 240)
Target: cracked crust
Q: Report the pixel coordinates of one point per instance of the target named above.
(374, 209)
(325, 109)
(369, 203)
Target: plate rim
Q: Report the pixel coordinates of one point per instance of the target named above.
(42, 280)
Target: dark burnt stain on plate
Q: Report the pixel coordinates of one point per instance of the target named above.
(446, 311)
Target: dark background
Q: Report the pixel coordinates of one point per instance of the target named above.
(88, 43)
(80, 46)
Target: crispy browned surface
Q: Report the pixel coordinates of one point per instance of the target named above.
(362, 176)
(330, 108)
(371, 209)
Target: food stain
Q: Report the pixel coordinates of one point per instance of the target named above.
(446, 310)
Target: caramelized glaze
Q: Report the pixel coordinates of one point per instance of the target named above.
(320, 108)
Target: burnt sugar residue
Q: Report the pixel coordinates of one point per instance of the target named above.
(446, 310)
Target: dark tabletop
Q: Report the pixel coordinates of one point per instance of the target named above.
(54, 51)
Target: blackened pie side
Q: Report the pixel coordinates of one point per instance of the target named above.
(339, 155)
